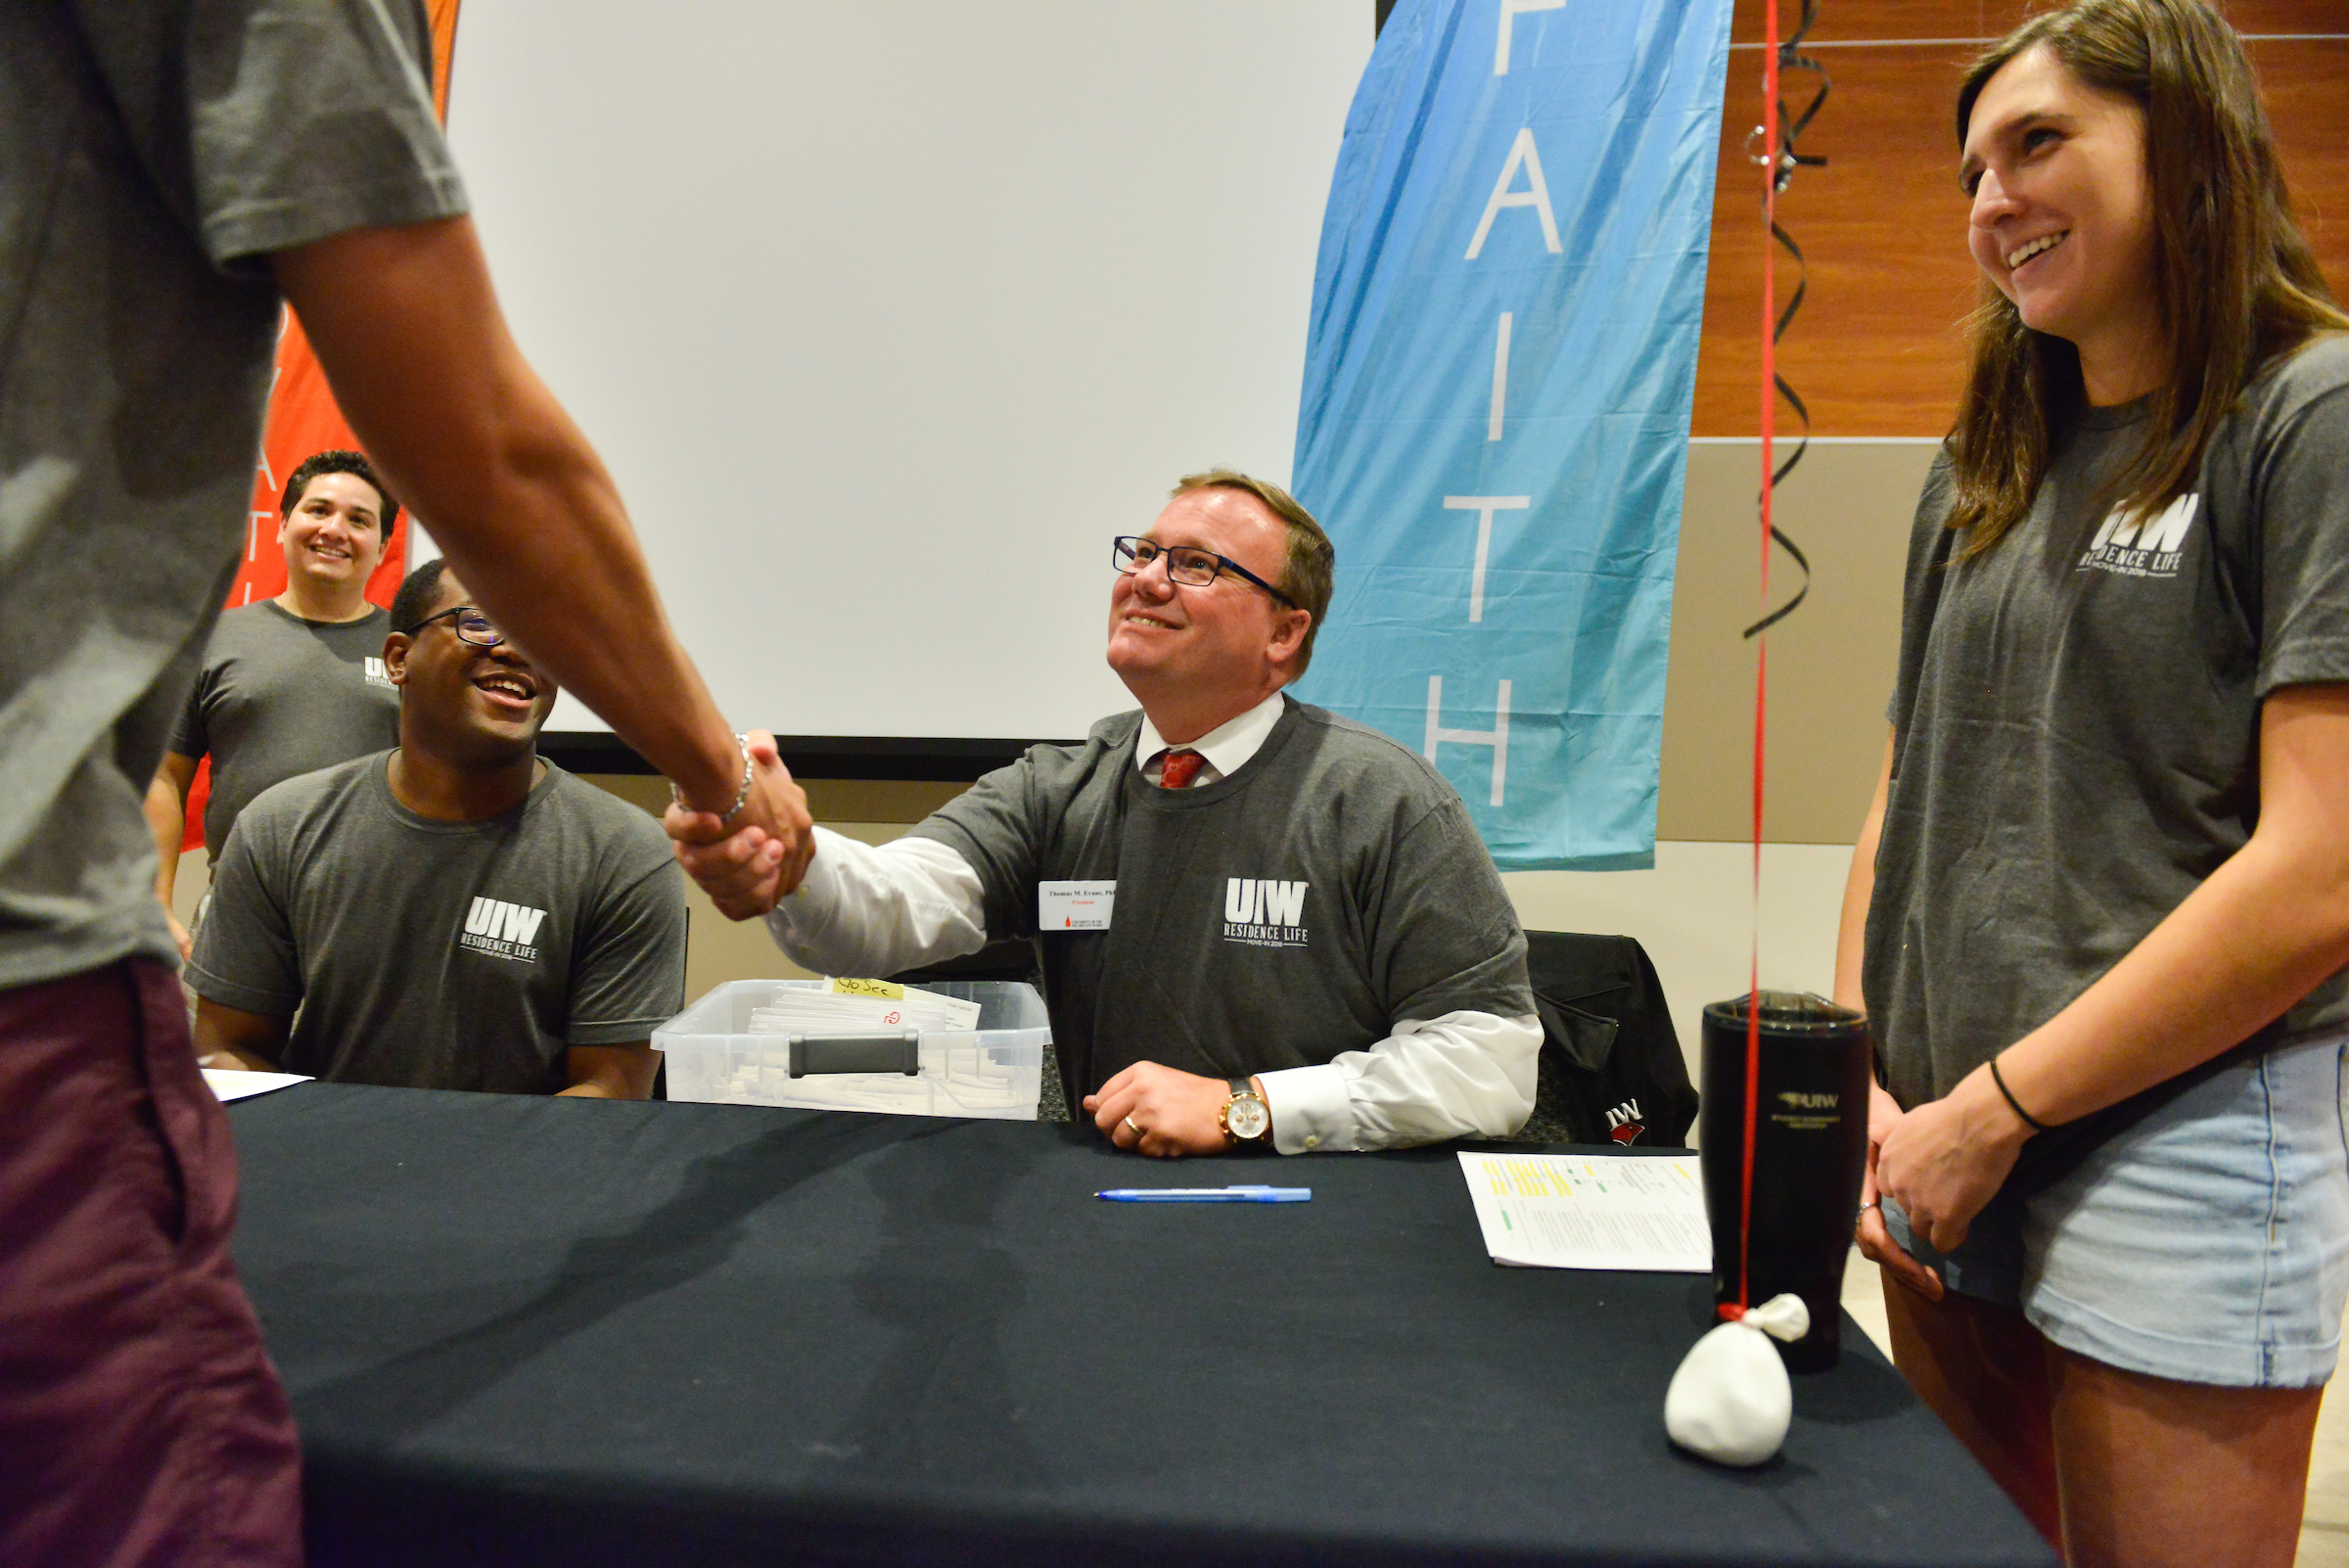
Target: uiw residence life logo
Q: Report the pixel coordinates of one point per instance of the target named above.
(503, 930)
(1264, 913)
(2134, 545)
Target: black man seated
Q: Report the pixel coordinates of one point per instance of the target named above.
(457, 913)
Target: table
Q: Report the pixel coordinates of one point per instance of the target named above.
(520, 1330)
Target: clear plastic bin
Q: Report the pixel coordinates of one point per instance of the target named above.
(996, 1070)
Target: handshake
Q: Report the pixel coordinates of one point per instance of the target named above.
(749, 859)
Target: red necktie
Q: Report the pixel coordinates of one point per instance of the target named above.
(1179, 769)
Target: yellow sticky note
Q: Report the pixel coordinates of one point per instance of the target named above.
(882, 989)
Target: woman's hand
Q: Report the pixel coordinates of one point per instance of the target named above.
(1942, 1161)
(1874, 1238)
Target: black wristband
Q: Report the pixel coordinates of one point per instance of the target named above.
(2030, 1120)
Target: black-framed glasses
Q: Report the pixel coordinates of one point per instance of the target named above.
(1187, 564)
(470, 625)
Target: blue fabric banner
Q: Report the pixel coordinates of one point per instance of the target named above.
(1497, 384)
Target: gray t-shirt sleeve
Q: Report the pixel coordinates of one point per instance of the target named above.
(992, 825)
(1930, 544)
(1444, 936)
(244, 955)
(281, 121)
(630, 974)
(2304, 547)
(190, 735)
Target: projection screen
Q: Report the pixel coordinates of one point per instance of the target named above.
(887, 314)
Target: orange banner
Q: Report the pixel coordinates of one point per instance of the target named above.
(303, 419)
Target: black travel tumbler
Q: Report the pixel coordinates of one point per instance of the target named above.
(1809, 1151)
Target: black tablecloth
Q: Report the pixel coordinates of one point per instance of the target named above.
(527, 1330)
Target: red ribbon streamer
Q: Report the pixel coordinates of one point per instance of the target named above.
(1770, 366)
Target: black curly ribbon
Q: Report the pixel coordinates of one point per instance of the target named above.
(1784, 159)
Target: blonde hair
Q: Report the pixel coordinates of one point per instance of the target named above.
(1307, 573)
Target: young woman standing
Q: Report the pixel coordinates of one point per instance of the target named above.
(2099, 912)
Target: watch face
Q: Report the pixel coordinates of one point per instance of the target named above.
(1247, 1118)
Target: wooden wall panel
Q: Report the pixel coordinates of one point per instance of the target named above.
(1876, 349)
(2306, 86)
(1841, 20)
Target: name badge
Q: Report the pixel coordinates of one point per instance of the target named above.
(1074, 905)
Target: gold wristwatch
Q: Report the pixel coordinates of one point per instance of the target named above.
(1245, 1117)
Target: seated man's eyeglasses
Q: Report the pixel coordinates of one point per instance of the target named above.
(469, 623)
(1192, 568)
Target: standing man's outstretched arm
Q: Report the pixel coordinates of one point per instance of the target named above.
(408, 329)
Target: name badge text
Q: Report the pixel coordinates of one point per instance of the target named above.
(1074, 905)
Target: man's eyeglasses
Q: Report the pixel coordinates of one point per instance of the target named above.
(470, 625)
(1187, 565)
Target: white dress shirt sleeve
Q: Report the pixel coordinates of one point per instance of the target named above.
(868, 911)
(1462, 1075)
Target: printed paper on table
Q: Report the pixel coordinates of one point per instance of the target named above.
(1591, 1210)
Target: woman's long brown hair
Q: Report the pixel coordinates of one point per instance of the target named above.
(2236, 283)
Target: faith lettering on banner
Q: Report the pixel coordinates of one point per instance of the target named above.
(1523, 155)
(1465, 360)
(1498, 737)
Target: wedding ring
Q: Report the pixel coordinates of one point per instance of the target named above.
(1137, 1125)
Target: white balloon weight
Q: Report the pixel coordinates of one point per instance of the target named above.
(1731, 1400)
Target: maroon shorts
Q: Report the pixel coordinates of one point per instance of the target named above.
(140, 1420)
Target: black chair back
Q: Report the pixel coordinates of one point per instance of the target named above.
(1612, 1069)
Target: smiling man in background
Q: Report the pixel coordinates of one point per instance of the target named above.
(294, 683)
(454, 914)
(1262, 925)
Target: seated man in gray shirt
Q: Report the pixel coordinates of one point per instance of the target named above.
(291, 684)
(1260, 923)
(456, 914)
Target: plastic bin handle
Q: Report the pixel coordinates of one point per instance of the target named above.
(857, 1053)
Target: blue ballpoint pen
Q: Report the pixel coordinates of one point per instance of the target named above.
(1243, 1194)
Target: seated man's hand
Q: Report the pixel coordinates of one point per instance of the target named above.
(610, 1072)
(241, 1041)
(779, 807)
(1161, 1111)
(749, 871)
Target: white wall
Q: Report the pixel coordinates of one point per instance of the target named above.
(887, 315)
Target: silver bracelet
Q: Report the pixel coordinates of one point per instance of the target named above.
(742, 796)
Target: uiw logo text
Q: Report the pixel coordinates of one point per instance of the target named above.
(1262, 912)
(2136, 545)
(503, 930)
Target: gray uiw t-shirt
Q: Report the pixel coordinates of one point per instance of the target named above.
(152, 155)
(2078, 717)
(278, 697)
(1299, 908)
(453, 955)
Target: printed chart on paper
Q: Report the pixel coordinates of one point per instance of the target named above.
(1594, 1211)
